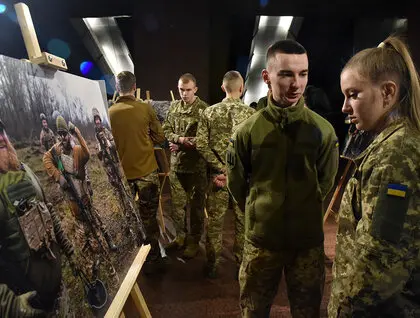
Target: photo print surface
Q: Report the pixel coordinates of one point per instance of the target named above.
(58, 125)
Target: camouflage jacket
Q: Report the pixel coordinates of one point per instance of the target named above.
(104, 136)
(216, 126)
(376, 270)
(47, 138)
(182, 121)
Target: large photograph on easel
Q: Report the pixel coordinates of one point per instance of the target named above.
(57, 126)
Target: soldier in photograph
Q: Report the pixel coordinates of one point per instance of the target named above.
(31, 240)
(46, 138)
(66, 163)
(108, 155)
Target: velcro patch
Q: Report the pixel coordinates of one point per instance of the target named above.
(390, 212)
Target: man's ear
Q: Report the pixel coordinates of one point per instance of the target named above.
(265, 76)
(195, 89)
(223, 88)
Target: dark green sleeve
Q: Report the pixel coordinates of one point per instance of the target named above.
(7, 301)
(327, 163)
(238, 167)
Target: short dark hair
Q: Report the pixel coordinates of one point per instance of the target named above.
(284, 46)
(125, 81)
(187, 77)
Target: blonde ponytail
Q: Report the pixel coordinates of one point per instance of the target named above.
(392, 59)
(413, 89)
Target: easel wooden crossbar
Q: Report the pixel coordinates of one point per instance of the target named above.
(130, 288)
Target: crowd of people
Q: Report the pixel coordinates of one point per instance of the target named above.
(274, 166)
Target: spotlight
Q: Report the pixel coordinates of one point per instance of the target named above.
(86, 67)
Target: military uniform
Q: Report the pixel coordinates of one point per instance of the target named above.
(47, 138)
(281, 164)
(30, 257)
(376, 270)
(136, 128)
(74, 163)
(214, 131)
(107, 154)
(188, 176)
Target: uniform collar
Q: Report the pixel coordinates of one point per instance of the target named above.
(382, 136)
(125, 98)
(285, 115)
(231, 100)
(188, 108)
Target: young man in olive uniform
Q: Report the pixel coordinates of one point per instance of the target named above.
(281, 163)
(188, 175)
(217, 124)
(136, 129)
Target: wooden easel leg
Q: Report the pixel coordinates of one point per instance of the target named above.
(139, 301)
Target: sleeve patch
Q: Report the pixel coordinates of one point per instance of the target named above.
(397, 190)
(390, 212)
(336, 144)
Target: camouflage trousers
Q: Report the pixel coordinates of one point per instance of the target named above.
(147, 189)
(260, 274)
(188, 188)
(217, 206)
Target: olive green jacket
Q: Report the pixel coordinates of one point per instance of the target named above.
(281, 164)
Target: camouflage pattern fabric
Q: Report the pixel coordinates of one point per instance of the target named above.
(161, 108)
(217, 206)
(217, 125)
(188, 188)
(147, 189)
(376, 270)
(260, 275)
(47, 138)
(182, 121)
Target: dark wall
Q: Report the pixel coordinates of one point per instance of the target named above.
(171, 38)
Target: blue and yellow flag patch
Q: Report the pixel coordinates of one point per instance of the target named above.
(397, 190)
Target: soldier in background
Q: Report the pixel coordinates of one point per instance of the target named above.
(188, 176)
(216, 127)
(66, 163)
(136, 129)
(46, 138)
(31, 240)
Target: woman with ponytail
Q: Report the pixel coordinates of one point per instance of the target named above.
(376, 270)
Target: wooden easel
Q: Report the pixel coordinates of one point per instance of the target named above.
(31, 41)
(130, 289)
(338, 189)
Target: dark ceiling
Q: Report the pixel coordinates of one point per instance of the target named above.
(327, 25)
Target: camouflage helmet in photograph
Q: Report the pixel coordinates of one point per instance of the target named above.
(42, 116)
